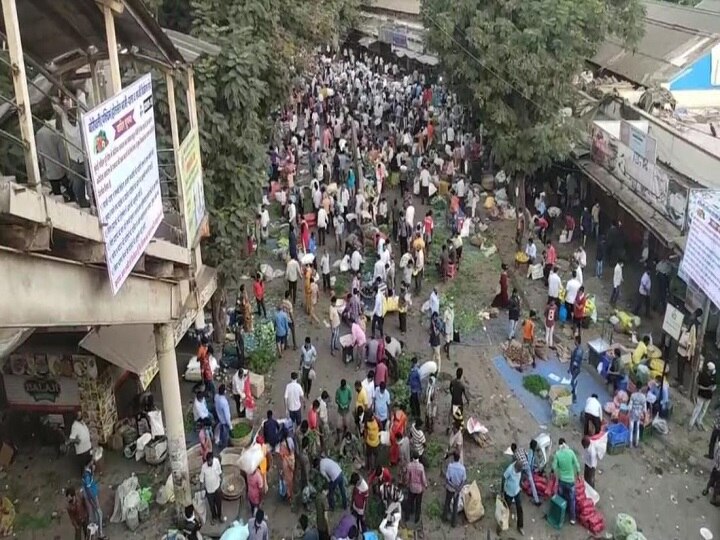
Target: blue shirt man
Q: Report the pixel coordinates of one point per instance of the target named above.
(576, 359)
(282, 323)
(381, 403)
(512, 476)
(414, 381)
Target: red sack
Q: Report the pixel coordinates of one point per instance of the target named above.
(597, 528)
(551, 487)
(584, 505)
(595, 518)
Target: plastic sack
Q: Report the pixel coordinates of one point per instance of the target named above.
(132, 520)
(502, 514)
(624, 526)
(472, 502)
(166, 493)
(560, 414)
(636, 536)
(200, 505)
(251, 458)
(238, 531)
(563, 314)
(660, 425)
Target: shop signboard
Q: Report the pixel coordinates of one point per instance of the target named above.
(191, 181)
(45, 393)
(701, 260)
(119, 137)
(672, 323)
(703, 197)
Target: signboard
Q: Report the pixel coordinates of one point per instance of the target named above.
(192, 186)
(640, 156)
(672, 323)
(41, 393)
(638, 141)
(119, 137)
(701, 260)
(704, 197)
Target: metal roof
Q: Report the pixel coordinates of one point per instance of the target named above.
(409, 7)
(54, 28)
(675, 36)
(191, 47)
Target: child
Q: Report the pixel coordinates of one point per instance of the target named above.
(259, 289)
(528, 327)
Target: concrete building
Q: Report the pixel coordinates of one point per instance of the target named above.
(54, 254)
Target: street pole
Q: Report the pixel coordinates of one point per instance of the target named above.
(173, 409)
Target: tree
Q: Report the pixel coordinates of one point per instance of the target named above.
(264, 47)
(513, 63)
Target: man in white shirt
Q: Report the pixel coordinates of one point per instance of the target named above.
(617, 282)
(378, 311)
(322, 223)
(80, 437)
(356, 261)
(294, 395)
(200, 409)
(593, 415)
(410, 216)
(434, 302)
(579, 274)
(292, 274)
(264, 222)
(424, 185)
(554, 286)
(379, 271)
(571, 290)
(325, 270)
(210, 480)
(531, 251)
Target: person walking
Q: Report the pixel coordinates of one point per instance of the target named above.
(256, 488)
(416, 482)
(513, 314)
(566, 467)
(331, 471)
(511, 491)
(259, 290)
(638, 406)
(77, 512)
(292, 275)
(705, 388)
(521, 457)
(415, 385)
(590, 461)
(576, 359)
(455, 478)
(294, 397)
(210, 480)
(308, 357)
(644, 289)
(343, 400)
(617, 282)
(359, 499)
(714, 437)
(550, 317)
(80, 438)
(325, 270)
(258, 528)
(334, 326)
(714, 479)
(282, 327)
(222, 410)
(91, 493)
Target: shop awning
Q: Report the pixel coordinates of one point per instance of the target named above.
(662, 228)
(130, 346)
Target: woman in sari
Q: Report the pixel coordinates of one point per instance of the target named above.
(304, 234)
(502, 299)
(397, 427)
(307, 288)
(287, 459)
(247, 310)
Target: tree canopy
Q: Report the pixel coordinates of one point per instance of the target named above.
(513, 63)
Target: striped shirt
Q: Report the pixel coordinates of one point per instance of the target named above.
(417, 441)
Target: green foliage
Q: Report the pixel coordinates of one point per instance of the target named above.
(514, 63)
(536, 384)
(240, 430)
(262, 357)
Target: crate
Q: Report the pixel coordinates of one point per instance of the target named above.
(556, 513)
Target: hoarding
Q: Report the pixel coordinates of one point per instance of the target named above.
(119, 137)
(192, 186)
(701, 260)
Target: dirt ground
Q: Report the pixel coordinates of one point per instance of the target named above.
(659, 483)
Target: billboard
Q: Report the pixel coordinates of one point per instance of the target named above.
(191, 182)
(701, 260)
(119, 137)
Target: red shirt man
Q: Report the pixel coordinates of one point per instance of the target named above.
(550, 255)
(381, 373)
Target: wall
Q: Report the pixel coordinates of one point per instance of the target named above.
(674, 150)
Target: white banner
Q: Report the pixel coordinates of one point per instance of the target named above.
(120, 142)
(701, 261)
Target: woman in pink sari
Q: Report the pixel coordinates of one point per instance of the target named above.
(304, 234)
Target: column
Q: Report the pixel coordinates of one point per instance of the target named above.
(173, 410)
(115, 79)
(22, 98)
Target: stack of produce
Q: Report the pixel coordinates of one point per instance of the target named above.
(588, 516)
(516, 354)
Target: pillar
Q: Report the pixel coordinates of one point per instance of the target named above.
(173, 409)
(22, 97)
(115, 79)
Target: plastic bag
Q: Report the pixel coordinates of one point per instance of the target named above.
(251, 458)
(200, 505)
(660, 425)
(502, 514)
(624, 526)
(166, 493)
(238, 531)
(472, 502)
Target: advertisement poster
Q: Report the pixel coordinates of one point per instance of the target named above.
(119, 137)
(192, 186)
(701, 260)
